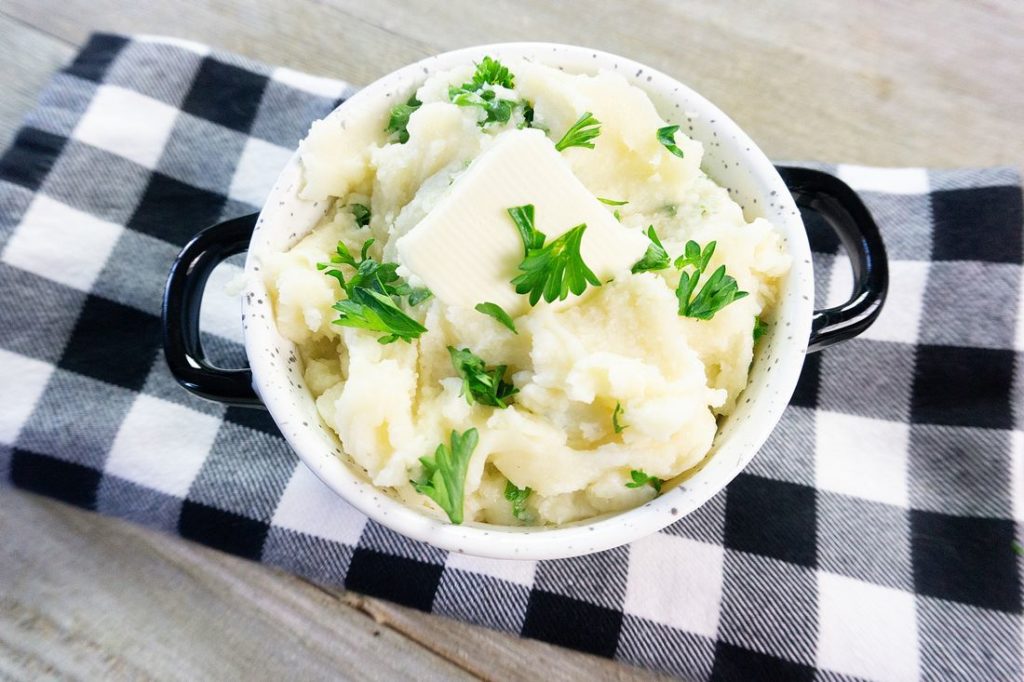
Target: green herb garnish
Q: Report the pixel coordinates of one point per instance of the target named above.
(362, 214)
(419, 295)
(371, 293)
(551, 270)
(616, 415)
(612, 202)
(666, 136)
(480, 383)
(556, 269)
(655, 258)
(479, 92)
(498, 313)
(718, 291)
(532, 238)
(585, 129)
(1018, 549)
(641, 479)
(398, 123)
(444, 473)
(760, 328)
(517, 496)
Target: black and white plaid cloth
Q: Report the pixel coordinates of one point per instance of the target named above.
(874, 537)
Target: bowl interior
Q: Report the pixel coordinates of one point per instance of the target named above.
(730, 158)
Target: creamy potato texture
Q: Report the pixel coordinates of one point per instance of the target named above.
(622, 343)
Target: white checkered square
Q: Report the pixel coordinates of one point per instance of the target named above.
(865, 630)
(127, 124)
(308, 506)
(888, 180)
(162, 445)
(22, 381)
(221, 309)
(518, 572)
(677, 582)
(257, 170)
(862, 457)
(900, 318)
(50, 228)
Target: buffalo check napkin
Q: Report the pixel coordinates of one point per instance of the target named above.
(874, 537)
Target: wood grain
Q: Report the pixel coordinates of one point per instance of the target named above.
(883, 82)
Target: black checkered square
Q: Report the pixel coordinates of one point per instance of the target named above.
(113, 343)
(225, 94)
(978, 224)
(771, 518)
(960, 386)
(30, 157)
(175, 211)
(967, 560)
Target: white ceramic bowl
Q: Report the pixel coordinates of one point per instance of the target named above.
(731, 158)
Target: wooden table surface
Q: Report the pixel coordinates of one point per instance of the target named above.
(886, 83)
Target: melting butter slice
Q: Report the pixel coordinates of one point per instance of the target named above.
(467, 249)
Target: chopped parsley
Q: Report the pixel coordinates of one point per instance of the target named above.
(581, 134)
(498, 313)
(532, 238)
(1018, 549)
(616, 415)
(719, 289)
(398, 123)
(554, 269)
(479, 92)
(480, 383)
(362, 214)
(444, 473)
(640, 479)
(760, 328)
(667, 138)
(612, 202)
(517, 496)
(655, 258)
(371, 292)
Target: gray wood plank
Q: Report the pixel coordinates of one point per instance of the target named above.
(28, 59)
(90, 597)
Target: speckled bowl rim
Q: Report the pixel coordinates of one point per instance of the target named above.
(731, 158)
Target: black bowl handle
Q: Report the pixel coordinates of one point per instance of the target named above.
(182, 297)
(845, 213)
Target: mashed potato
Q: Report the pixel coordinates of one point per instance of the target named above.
(621, 344)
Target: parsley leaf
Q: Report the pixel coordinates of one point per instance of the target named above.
(370, 290)
(532, 238)
(666, 136)
(419, 295)
(555, 269)
(1018, 549)
(498, 313)
(480, 383)
(479, 92)
(719, 289)
(517, 496)
(616, 414)
(585, 129)
(612, 202)
(398, 123)
(444, 474)
(362, 214)
(655, 258)
(760, 328)
(640, 479)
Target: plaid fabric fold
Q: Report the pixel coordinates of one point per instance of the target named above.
(874, 537)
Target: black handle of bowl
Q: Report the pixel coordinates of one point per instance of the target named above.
(845, 213)
(182, 298)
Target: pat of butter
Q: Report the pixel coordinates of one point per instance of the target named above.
(467, 249)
